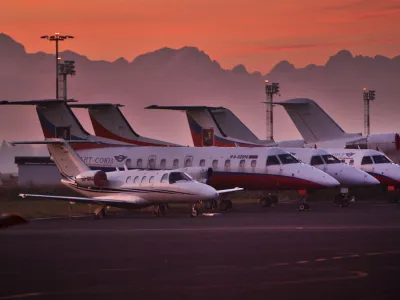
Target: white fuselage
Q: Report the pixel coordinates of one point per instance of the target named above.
(144, 188)
(347, 175)
(373, 162)
(243, 167)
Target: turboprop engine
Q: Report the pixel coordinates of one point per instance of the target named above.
(201, 174)
(96, 178)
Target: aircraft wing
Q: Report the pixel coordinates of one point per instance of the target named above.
(132, 201)
(236, 189)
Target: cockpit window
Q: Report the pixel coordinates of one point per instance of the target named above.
(381, 159)
(316, 160)
(366, 160)
(288, 159)
(178, 176)
(272, 160)
(330, 159)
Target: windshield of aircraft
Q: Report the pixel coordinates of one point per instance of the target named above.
(330, 159)
(381, 159)
(288, 159)
(178, 176)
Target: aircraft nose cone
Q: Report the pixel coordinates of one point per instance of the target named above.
(331, 182)
(370, 180)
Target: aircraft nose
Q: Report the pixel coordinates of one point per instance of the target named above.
(329, 181)
(370, 180)
(355, 177)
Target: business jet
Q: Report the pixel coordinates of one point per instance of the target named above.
(248, 168)
(129, 189)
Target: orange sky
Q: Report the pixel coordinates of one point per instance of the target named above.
(257, 33)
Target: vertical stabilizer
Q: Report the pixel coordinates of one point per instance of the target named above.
(313, 123)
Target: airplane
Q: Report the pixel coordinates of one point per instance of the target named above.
(248, 168)
(319, 130)
(202, 119)
(129, 189)
(347, 176)
(109, 122)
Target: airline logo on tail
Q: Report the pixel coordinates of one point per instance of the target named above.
(208, 137)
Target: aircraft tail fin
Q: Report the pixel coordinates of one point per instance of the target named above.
(68, 162)
(313, 123)
(109, 122)
(212, 126)
(56, 118)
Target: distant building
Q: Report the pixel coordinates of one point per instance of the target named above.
(37, 170)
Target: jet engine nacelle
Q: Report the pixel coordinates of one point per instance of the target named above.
(388, 143)
(201, 174)
(96, 178)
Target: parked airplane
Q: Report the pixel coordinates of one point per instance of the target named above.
(248, 168)
(109, 122)
(319, 130)
(346, 175)
(130, 189)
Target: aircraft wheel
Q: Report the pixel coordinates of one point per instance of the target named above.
(209, 205)
(265, 202)
(223, 205)
(163, 210)
(304, 207)
(100, 214)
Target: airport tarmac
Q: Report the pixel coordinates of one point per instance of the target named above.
(246, 253)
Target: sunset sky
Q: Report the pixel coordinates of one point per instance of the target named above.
(257, 33)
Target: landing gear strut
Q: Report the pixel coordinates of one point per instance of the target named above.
(195, 211)
(211, 205)
(159, 210)
(100, 213)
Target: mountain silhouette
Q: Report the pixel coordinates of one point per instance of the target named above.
(188, 76)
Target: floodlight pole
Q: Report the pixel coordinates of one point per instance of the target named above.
(270, 90)
(56, 38)
(368, 95)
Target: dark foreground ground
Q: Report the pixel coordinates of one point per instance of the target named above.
(248, 253)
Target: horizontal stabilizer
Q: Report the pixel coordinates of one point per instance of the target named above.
(236, 189)
(183, 108)
(35, 102)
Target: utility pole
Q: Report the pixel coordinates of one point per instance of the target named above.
(368, 95)
(271, 90)
(56, 38)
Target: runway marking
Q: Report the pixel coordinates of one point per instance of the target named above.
(320, 259)
(337, 257)
(302, 262)
(21, 296)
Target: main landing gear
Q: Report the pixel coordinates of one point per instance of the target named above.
(211, 205)
(268, 201)
(342, 200)
(159, 210)
(304, 206)
(195, 211)
(100, 212)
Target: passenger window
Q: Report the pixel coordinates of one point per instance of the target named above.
(272, 161)
(202, 162)
(164, 178)
(143, 179)
(366, 160)
(316, 160)
(136, 180)
(176, 163)
(228, 163)
(163, 163)
(128, 179)
(139, 163)
(242, 163)
(215, 164)
(128, 163)
(188, 162)
(253, 163)
(151, 179)
(152, 163)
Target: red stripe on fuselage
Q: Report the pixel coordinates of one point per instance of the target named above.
(385, 180)
(251, 181)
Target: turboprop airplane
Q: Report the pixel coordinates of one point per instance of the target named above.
(130, 189)
(319, 130)
(250, 167)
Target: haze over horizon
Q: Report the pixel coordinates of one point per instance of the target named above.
(255, 33)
